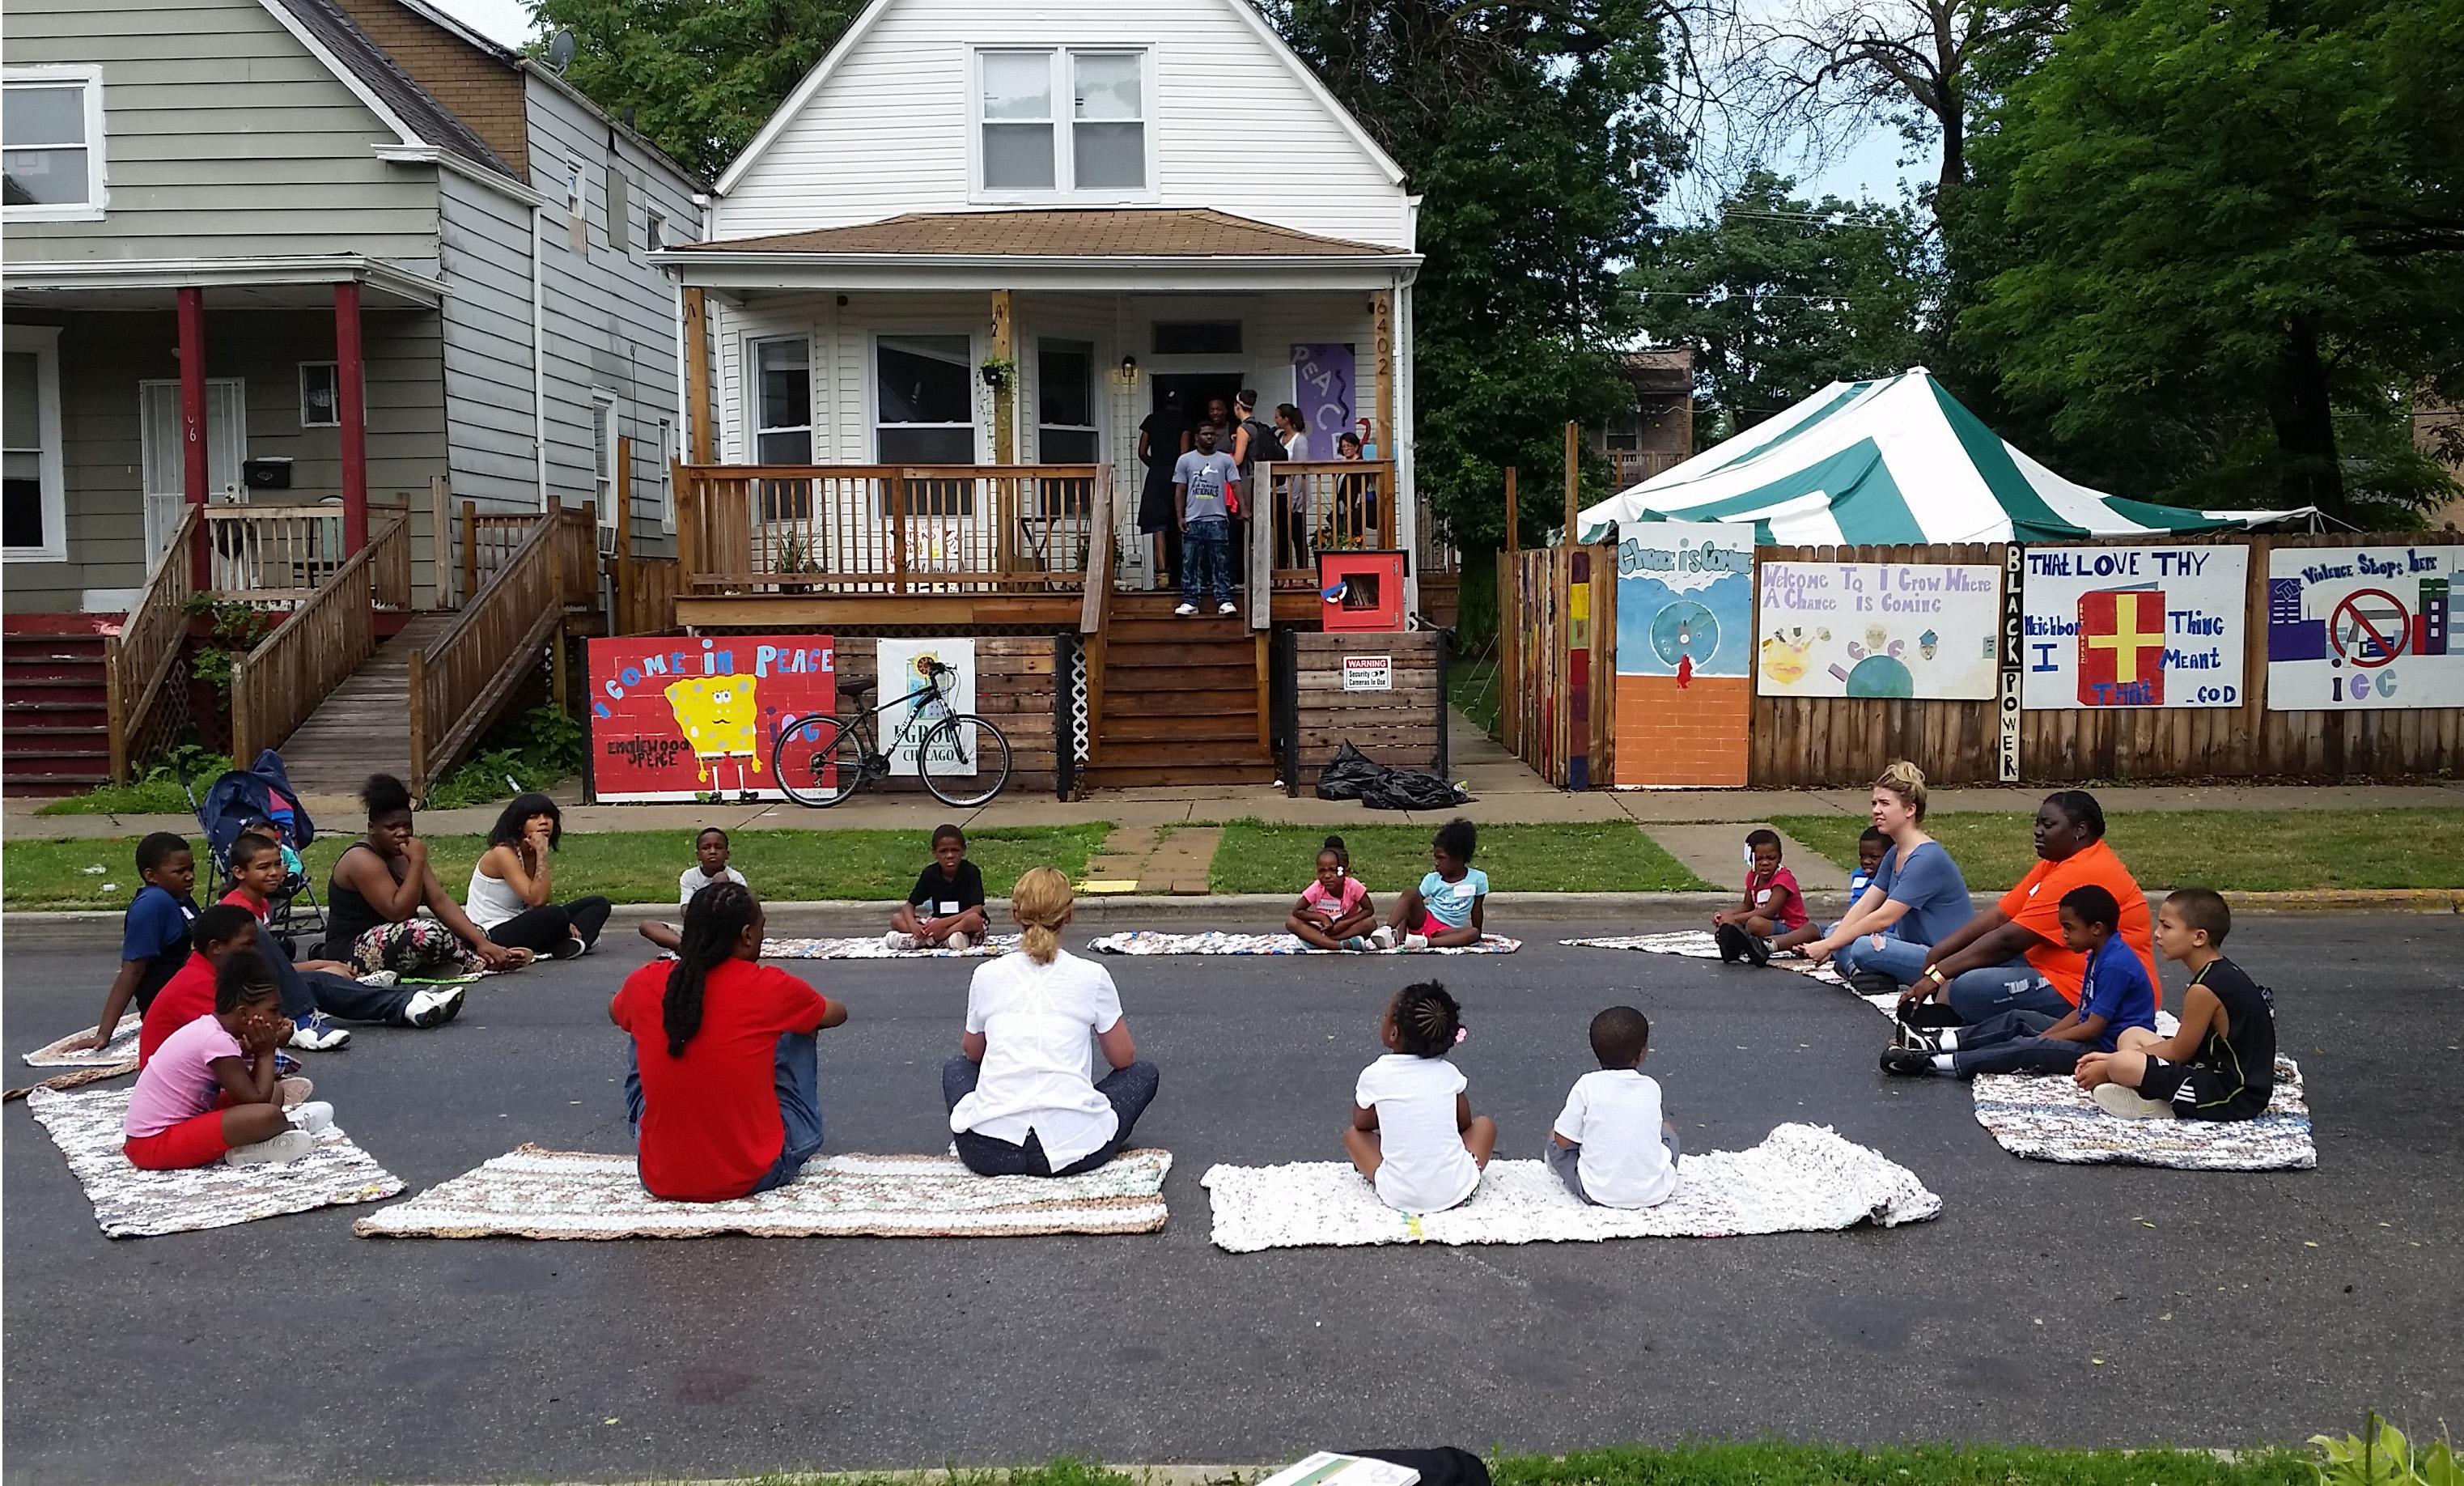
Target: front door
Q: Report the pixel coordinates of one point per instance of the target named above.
(158, 420)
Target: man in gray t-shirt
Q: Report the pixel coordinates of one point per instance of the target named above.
(1205, 481)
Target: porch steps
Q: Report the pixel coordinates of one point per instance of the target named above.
(55, 737)
(364, 726)
(1180, 699)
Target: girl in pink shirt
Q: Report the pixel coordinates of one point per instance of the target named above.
(211, 1093)
(1335, 911)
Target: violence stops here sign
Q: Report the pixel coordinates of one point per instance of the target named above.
(2362, 627)
(2134, 627)
(686, 718)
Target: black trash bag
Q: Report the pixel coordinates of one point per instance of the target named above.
(1402, 789)
(1347, 774)
(1445, 1466)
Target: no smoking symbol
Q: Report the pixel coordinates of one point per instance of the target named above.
(2358, 632)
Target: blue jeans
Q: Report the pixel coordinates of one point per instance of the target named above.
(1897, 957)
(2010, 1044)
(1129, 1090)
(1987, 992)
(1206, 561)
(796, 1076)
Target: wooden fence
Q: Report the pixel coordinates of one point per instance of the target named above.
(1403, 727)
(276, 685)
(1558, 687)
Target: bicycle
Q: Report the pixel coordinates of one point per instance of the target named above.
(822, 760)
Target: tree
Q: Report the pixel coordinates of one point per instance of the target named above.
(1530, 132)
(698, 77)
(1779, 295)
(2223, 216)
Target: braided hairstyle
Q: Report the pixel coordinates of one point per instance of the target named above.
(1426, 1020)
(2080, 808)
(715, 921)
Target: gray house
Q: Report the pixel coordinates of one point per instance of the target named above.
(295, 261)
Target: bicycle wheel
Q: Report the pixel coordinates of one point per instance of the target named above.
(954, 776)
(819, 760)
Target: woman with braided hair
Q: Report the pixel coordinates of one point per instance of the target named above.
(722, 1080)
(1023, 1093)
(1413, 1134)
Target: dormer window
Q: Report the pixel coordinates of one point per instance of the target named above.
(1061, 120)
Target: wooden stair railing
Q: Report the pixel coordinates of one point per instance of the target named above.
(464, 677)
(138, 661)
(276, 686)
(1094, 604)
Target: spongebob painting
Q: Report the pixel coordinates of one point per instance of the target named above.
(717, 714)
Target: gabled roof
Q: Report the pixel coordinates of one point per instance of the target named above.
(855, 34)
(1060, 233)
(391, 93)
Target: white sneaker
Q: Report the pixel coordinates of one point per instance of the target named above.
(289, 1145)
(315, 1032)
(1384, 938)
(381, 978)
(1416, 942)
(957, 942)
(1228, 607)
(895, 940)
(2126, 1103)
(434, 1006)
(1185, 610)
(314, 1119)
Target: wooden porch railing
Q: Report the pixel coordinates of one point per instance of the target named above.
(1634, 466)
(282, 555)
(464, 677)
(276, 685)
(887, 528)
(139, 662)
(1093, 603)
(488, 542)
(1325, 507)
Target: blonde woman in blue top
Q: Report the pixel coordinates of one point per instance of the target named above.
(1445, 910)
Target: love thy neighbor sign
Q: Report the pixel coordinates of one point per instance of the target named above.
(2135, 626)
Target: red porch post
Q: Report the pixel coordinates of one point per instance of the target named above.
(349, 390)
(192, 423)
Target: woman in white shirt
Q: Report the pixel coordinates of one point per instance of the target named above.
(515, 880)
(1023, 1093)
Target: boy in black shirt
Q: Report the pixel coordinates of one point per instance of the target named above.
(2221, 1064)
(946, 910)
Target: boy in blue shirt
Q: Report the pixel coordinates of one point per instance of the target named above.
(154, 935)
(1870, 847)
(2114, 994)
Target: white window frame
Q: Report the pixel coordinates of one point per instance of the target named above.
(43, 342)
(603, 456)
(87, 76)
(306, 422)
(780, 501)
(666, 474)
(1064, 111)
(1094, 396)
(654, 232)
(873, 425)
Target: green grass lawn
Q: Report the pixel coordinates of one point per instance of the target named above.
(2246, 851)
(1253, 858)
(628, 866)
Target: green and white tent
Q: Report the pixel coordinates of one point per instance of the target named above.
(1893, 461)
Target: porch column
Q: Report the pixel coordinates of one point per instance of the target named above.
(1004, 395)
(192, 425)
(350, 384)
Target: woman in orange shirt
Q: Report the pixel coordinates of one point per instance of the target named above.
(2010, 956)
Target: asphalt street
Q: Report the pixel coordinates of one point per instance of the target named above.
(2053, 1304)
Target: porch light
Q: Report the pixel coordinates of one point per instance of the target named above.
(1128, 372)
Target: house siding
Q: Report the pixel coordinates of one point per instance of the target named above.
(890, 130)
(483, 91)
(225, 138)
(484, 243)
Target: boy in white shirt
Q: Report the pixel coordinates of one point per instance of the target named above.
(1610, 1145)
(709, 865)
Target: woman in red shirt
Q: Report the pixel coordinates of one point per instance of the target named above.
(722, 1081)
(2010, 956)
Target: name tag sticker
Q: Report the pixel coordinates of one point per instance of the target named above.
(949, 908)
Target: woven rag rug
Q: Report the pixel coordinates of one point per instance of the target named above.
(872, 948)
(2052, 1119)
(536, 1193)
(1800, 1179)
(1151, 942)
(121, 1049)
(133, 1204)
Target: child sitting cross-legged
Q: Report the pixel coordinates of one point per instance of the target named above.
(1335, 912)
(709, 865)
(1871, 847)
(945, 910)
(1413, 1134)
(1446, 909)
(2221, 1063)
(154, 933)
(213, 1090)
(317, 991)
(1611, 1145)
(219, 933)
(2115, 996)
(1771, 906)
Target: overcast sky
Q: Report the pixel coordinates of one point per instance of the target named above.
(1871, 169)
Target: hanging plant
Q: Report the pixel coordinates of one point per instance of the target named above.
(998, 372)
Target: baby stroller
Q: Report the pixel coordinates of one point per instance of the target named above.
(241, 798)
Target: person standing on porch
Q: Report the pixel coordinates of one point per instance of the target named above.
(1162, 440)
(1205, 480)
(1292, 501)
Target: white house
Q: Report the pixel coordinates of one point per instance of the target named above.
(1119, 199)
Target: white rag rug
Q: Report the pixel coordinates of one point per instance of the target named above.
(133, 1204)
(2053, 1118)
(872, 948)
(1800, 1179)
(121, 1049)
(536, 1193)
(1151, 942)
